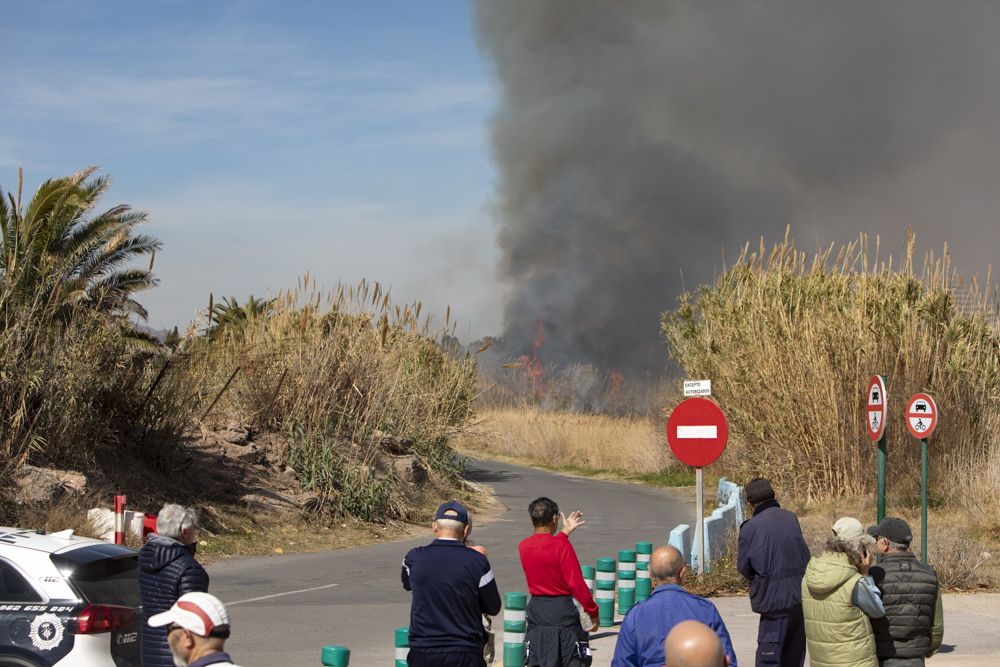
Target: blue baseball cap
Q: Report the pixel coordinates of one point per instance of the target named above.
(453, 511)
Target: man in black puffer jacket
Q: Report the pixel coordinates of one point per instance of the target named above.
(167, 570)
(913, 625)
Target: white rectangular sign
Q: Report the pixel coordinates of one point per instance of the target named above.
(698, 432)
(697, 387)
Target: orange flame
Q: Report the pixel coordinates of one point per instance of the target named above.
(532, 365)
(617, 380)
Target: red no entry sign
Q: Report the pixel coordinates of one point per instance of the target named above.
(875, 401)
(697, 432)
(921, 416)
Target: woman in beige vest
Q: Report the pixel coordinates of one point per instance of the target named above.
(838, 597)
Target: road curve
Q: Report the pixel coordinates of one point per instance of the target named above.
(285, 608)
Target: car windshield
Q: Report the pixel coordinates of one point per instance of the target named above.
(102, 575)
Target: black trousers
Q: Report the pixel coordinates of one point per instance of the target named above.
(555, 637)
(418, 658)
(781, 639)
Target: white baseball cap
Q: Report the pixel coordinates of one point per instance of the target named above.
(201, 613)
(849, 529)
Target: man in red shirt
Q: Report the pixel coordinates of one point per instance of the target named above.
(555, 637)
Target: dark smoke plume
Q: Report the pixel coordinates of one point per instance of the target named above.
(640, 142)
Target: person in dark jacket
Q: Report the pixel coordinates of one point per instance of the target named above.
(913, 625)
(773, 556)
(453, 587)
(167, 570)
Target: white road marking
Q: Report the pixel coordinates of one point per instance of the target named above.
(700, 432)
(279, 595)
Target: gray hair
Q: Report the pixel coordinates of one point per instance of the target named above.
(853, 549)
(896, 546)
(173, 519)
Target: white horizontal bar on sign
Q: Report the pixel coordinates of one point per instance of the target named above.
(698, 432)
(515, 615)
(604, 595)
(605, 576)
(402, 652)
(513, 638)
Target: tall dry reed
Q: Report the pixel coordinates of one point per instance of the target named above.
(790, 340)
(346, 374)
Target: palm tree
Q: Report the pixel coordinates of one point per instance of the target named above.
(230, 315)
(58, 253)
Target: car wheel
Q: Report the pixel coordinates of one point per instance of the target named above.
(16, 662)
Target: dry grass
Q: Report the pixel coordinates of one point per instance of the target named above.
(632, 445)
(963, 538)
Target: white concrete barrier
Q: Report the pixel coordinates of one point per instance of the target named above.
(103, 521)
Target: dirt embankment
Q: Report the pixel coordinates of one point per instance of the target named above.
(250, 500)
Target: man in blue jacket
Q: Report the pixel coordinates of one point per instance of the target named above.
(167, 570)
(453, 586)
(773, 556)
(646, 626)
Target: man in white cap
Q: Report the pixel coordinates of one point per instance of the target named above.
(197, 629)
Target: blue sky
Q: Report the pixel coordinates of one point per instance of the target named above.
(267, 139)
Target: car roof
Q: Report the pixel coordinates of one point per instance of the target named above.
(20, 538)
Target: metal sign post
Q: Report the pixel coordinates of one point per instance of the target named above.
(921, 419)
(700, 518)
(923, 500)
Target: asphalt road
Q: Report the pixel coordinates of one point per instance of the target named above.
(285, 608)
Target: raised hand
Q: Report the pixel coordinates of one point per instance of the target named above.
(572, 522)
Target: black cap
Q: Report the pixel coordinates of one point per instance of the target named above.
(893, 529)
(758, 490)
(454, 511)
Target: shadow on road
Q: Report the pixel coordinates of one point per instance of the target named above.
(474, 474)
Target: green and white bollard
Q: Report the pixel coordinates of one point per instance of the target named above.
(626, 580)
(514, 626)
(643, 585)
(589, 575)
(605, 592)
(336, 656)
(402, 646)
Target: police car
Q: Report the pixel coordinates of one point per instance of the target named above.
(68, 601)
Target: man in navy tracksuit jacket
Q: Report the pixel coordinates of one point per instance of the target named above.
(453, 587)
(773, 556)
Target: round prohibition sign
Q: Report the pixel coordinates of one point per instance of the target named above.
(875, 401)
(921, 416)
(697, 432)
